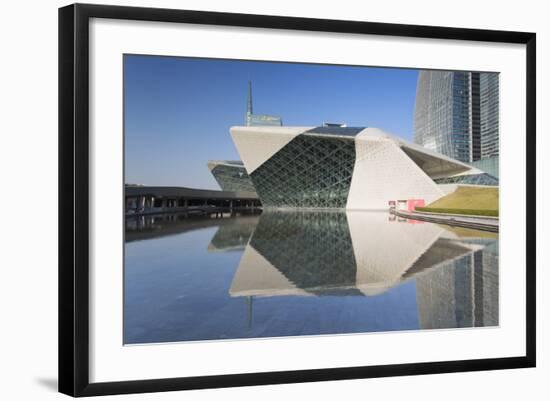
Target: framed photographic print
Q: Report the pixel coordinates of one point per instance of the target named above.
(251, 199)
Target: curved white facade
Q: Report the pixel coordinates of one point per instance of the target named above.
(336, 167)
(383, 172)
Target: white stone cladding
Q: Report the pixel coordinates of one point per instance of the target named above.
(256, 276)
(381, 267)
(386, 168)
(383, 172)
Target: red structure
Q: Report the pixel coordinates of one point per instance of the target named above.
(413, 203)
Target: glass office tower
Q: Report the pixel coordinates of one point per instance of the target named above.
(456, 113)
(489, 106)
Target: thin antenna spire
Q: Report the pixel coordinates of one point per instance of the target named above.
(249, 110)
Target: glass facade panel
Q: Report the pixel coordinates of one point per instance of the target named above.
(473, 179)
(489, 109)
(309, 172)
(456, 113)
(489, 165)
(433, 124)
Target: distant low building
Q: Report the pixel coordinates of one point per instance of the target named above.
(231, 175)
(255, 120)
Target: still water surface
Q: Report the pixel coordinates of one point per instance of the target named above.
(303, 273)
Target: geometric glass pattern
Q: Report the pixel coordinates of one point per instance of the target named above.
(313, 250)
(309, 172)
(473, 179)
(233, 178)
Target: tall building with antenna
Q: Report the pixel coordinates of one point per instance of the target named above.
(255, 120)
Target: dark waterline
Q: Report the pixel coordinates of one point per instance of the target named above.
(303, 273)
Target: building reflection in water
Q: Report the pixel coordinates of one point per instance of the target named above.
(366, 254)
(463, 293)
(235, 235)
(234, 229)
(327, 256)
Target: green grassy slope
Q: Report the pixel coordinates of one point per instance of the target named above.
(467, 200)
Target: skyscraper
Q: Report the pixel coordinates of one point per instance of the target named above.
(456, 114)
(462, 293)
(252, 119)
(489, 104)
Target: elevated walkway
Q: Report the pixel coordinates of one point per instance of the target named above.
(140, 200)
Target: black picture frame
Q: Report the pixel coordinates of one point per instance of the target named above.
(74, 198)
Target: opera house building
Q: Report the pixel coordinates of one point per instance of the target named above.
(345, 167)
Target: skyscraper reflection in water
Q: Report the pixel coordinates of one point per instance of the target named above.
(463, 293)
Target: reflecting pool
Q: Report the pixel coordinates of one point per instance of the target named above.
(303, 273)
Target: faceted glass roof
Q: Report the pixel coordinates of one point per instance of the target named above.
(346, 131)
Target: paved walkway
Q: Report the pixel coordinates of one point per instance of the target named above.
(474, 222)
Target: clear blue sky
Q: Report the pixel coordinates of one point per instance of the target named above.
(178, 110)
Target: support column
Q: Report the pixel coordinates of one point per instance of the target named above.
(131, 203)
